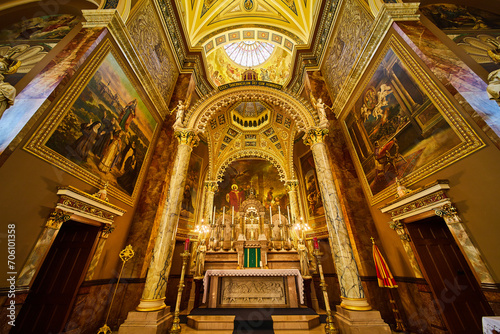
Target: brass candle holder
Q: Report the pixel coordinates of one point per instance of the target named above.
(176, 327)
(330, 326)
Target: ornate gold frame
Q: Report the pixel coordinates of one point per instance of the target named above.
(470, 141)
(61, 107)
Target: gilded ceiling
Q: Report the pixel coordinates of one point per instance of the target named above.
(205, 17)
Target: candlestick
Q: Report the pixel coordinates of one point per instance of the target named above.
(330, 326)
(279, 213)
(176, 328)
(288, 211)
(232, 216)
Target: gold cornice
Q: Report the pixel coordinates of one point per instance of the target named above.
(111, 19)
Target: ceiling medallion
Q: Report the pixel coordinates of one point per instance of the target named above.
(248, 5)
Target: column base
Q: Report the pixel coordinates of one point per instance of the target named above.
(154, 322)
(355, 304)
(361, 322)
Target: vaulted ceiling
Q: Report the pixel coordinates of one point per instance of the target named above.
(203, 18)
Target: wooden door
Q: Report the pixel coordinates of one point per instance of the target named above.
(455, 288)
(52, 295)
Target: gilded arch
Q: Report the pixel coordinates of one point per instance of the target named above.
(299, 109)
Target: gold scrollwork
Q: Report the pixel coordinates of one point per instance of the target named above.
(107, 230)
(211, 186)
(446, 211)
(291, 185)
(187, 137)
(56, 219)
(400, 230)
(315, 135)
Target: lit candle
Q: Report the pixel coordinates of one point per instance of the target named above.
(279, 213)
(186, 244)
(316, 243)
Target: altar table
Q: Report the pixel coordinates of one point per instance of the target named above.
(491, 325)
(253, 288)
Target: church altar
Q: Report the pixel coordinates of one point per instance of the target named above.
(253, 287)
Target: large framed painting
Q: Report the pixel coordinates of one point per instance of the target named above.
(310, 190)
(101, 128)
(189, 206)
(400, 124)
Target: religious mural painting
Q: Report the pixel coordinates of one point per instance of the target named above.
(400, 131)
(222, 70)
(310, 189)
(31, 39)
(247, 175)
(476, 31)
(191, 190)
(104, 133)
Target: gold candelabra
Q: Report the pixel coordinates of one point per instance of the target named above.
(176, 327)
(330, 326)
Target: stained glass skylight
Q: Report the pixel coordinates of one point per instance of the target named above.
(249, 53)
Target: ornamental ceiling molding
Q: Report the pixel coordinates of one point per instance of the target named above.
(276, 161)
(298, 109)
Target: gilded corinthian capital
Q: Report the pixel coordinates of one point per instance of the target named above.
(187, 137)
(315, 135)
(211, 186)
(291, 185)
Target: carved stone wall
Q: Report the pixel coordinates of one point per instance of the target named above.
(253, 290)
(346, 44)
(151, 44)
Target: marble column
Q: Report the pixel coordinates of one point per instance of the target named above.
(351, 290)
(155, 288)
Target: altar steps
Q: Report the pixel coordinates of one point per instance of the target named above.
(252, 320)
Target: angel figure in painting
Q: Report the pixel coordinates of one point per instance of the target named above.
(200, 259)
(320, 106)
(493, 88)
(304, 259)
(7, 91)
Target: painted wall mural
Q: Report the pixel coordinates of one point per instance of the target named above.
(310, 189)
(474, 30)
(104, 134)
(246, 174)
(223, 70)
(397, 130)
(30, 40)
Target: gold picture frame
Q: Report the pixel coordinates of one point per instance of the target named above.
(142, 112)
(408, 130)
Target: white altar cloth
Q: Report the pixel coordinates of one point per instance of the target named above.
(491, 324)
(255, 272)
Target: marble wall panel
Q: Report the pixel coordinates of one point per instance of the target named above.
(146, 31)
(93, 301)
(462, 83)
(148, 211)
(345, 45)
(356, 211)
(45, 87)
